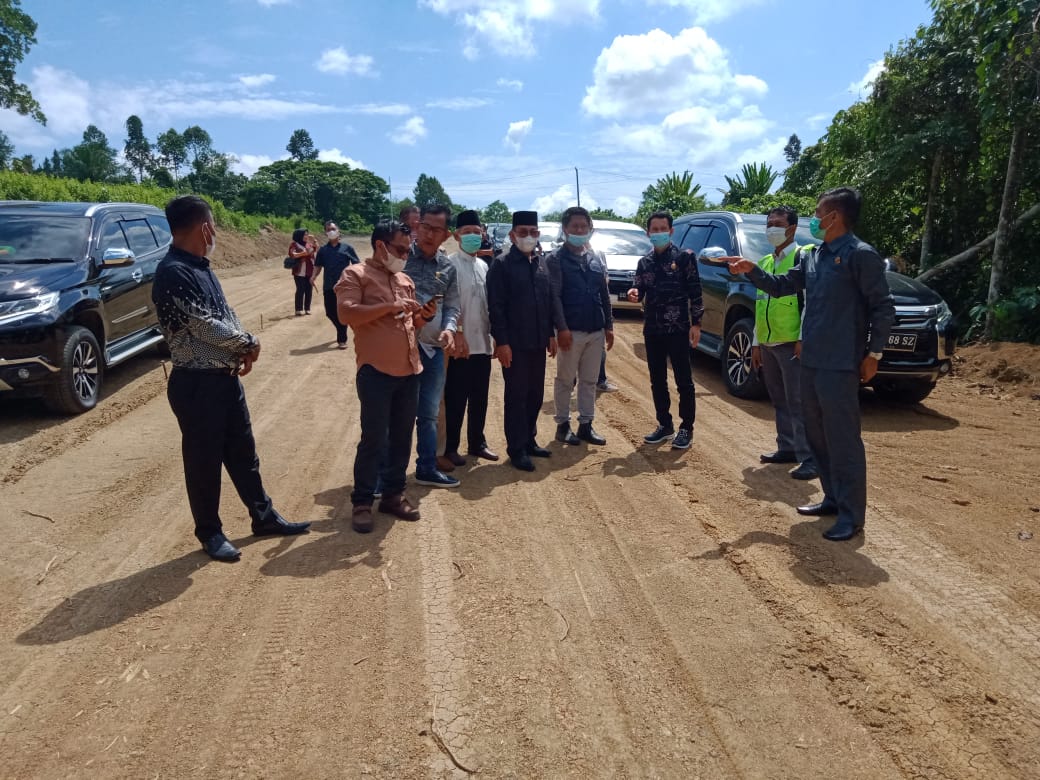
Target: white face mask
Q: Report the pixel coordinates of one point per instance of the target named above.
(211, 246)
(332, 235)
(393, 264)
(777, 236)
(526, 244)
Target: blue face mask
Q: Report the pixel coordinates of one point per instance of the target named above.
(470, 243)
(575, 239)
(660, 239)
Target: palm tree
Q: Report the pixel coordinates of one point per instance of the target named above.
(675, 193)
(755, 179)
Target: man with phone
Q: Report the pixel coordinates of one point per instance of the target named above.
(436, 280)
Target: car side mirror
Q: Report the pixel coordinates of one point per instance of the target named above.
(710, 255)
(117, 257)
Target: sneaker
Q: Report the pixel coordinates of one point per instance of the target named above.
(436, 479)
(683, 439)
(661, 434)
(299, 313)
(607, 387)
(308, 313)
(342, 345)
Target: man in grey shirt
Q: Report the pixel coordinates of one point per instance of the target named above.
(846, 299)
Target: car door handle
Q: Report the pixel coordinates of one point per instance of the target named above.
(136, 275)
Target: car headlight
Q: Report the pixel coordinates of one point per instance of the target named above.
(943, 312)
(11, 311)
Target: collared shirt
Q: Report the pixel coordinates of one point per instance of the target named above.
(670, 287)
(387, 343)
(846, 298)
(333, 258)
(475, 322)
(779, 253)
(580, 292)
(201, 329)
(519, 301)
(435, 276)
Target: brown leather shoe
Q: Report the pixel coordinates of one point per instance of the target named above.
(445, 464)
(361, 519)
(399, 507)
(484, 453)
(455, 458)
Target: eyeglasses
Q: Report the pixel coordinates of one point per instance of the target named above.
(398, 251)
(433, 228)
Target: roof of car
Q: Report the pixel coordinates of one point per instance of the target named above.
(733, 215)
(74, 209)
(616, 225)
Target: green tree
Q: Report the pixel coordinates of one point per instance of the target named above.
(136, 147)
(496, 211)
(428, 191)
(805, 176)
(675, 193)
(754, 179)
(762, 204)
(23, 164)
(92, 159)
(301, 147)
(6, 151)
(172, 154)
(197, 145)
(793, 150)
(17, 35)
(605, 214)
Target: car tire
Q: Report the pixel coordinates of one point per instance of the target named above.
(77, 385)
(741, 380)
(904, 391)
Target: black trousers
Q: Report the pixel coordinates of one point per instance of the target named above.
(524, 391)
(215, 430)
(660, 350)
(388, 405)
(830, 410)
(466, 386)
(332, 313)
(304, 290)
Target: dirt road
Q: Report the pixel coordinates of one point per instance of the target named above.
(628, 612)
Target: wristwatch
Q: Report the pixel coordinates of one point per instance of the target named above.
(875, 355)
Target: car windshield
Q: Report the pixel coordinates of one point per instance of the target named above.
(26, 238)
(754, 244)
(618, 241)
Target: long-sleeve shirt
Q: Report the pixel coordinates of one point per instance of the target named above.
(846, 298)
(435, 276)
(333, 258)
(474, 321)
(201, 329)
(580, 292)
(519, 302)
(387, 343)
(670, 288)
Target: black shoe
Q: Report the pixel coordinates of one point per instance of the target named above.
(780, 456)
(219, 548)
(522, 462)
(805, 471)
(683, 439)
(819, 510)
(842, 532)
(661, 434)
(534, 451)
(483, 452)
(361, 519)
(436, 479)
(586, 433)
(276, 525)
(564, 434)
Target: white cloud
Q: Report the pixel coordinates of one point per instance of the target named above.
(514, 84)
(248, 164)
(459, 103)
(562, 198)
(258, 80)
(382, 109)
(409, 132)
(269, 3)
(818, 121)
(705, 11)
(517, 132)
(336, 156)
(337, 61)
(862, 87)
(507, 26)
(625, 206)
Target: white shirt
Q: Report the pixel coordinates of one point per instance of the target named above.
(475, 322)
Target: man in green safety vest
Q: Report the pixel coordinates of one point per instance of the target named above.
(777, 347)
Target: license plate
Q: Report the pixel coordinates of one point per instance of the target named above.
(623, 297)
(902, 342)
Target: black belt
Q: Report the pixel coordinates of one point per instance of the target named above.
(217, 371)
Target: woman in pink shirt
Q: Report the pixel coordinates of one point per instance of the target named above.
(303, 249)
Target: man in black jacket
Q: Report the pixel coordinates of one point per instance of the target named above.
(209, 351)
(520, 311)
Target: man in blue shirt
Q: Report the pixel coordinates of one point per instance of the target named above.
(332, 259)
(846, 300)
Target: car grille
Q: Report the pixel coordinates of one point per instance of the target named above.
(620, 281)
(923, 325)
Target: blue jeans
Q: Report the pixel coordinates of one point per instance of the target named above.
(431, 390)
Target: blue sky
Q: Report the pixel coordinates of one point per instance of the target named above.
(497, 98)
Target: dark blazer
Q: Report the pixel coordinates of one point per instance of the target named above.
(519, 301)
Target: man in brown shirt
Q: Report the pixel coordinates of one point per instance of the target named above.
(378, 301)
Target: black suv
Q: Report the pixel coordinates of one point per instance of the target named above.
(75, 295)
(920, 347)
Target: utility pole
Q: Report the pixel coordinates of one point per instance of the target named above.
(577, 184)
(390, 196)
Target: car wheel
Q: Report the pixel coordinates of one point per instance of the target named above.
(78, 384)
(904, 391)
(740, 379)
